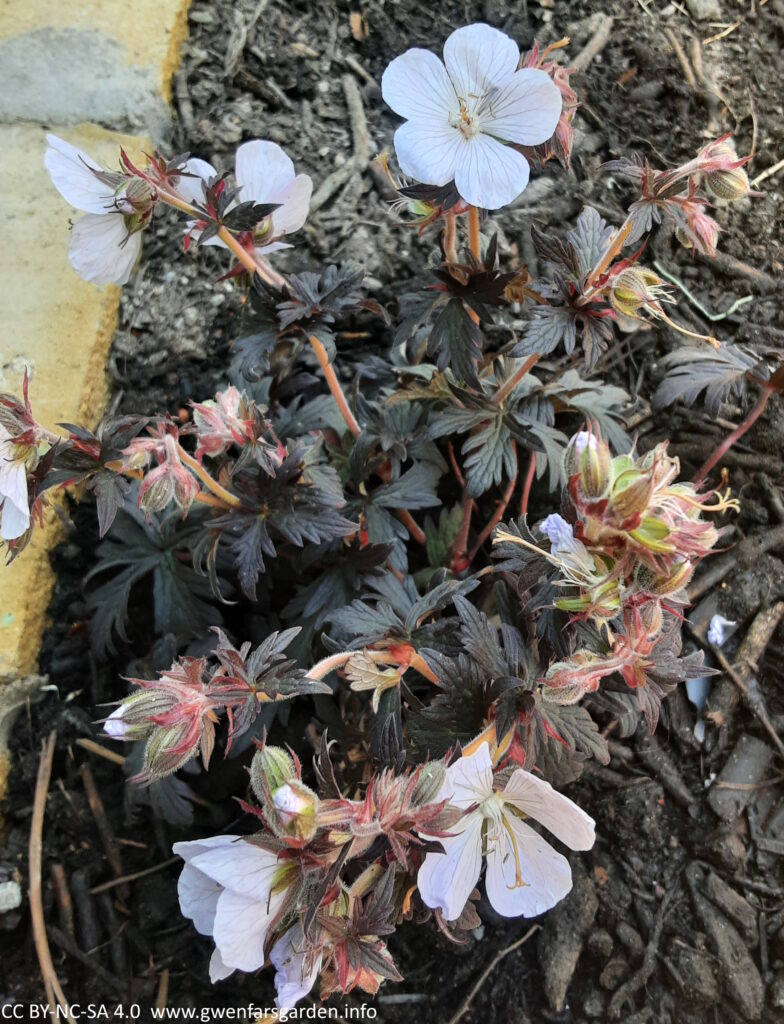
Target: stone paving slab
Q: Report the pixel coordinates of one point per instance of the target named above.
(61, 328)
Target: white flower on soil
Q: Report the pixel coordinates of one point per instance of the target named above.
(14, 505)
(460, 114)
(297, 968)
(233, 891)
(105, 243)
(264, 174)
(525, 875)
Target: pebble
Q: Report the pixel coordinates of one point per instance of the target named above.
(10, 896)
(703, 10)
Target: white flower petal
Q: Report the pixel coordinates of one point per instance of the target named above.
(13, 495)
(194, 847)
(114, 725)
(546, 875)
(560, 815)
(242, 866)
(241, 926)
(15, 521)
(265, 250)
(294, 202)
(263, 171)
(489, 174)
(190, 188)
(218, 969)
(526, 110)
(427, 152)
(470, 779)
(479, 58)
(198, 896)
(416, 86)
(69, 169)
(101, 250)
(292, 979)
(446, 879)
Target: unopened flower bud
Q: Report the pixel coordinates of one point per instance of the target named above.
(590, 457)
(271, 768)
(652, 617)
(295, 808)
(661, 584)
(731, 184)
(430, 782)
(634, 289)
(630, 495)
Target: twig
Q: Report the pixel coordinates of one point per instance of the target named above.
(356, 113)
(67, 943)
(465, 1006)
(99, 751)
(683, 60)
(330, 185)
(163, 990)
(640, 977)
(721, 35)
(713, 317)
(768, 173)
(124, 879)
(54, 992)
(109, 843)
(63, 896)
(595, 44)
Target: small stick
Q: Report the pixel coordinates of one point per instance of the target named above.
(163, 990)
(356, 113)
(109, 843)
(63, 897)
(54, 991)
(595, 44)
(124, 879)
(683, 60)
(99, 751)
(640, 977)
(465, 1006)
(768, 173)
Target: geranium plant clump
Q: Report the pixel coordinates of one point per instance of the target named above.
(453, 671)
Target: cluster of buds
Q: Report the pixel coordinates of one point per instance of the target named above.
(234, 419)
(634, 541)
(169, 481)
(675, 194)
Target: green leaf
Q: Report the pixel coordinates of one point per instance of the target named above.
(440, 538)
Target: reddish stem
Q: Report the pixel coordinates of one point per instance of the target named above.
(736, 434)
(410, 524)
(460, 547)
(509, 386)
(528, 483)
(498, 514)
(455, 467)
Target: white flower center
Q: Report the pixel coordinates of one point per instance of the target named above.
(467, 122)
(493, 810)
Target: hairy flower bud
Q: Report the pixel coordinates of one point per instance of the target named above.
(731, 185)
(589, 456)
(271, 768)
(295, 806)
(636, 289)
(630, 495)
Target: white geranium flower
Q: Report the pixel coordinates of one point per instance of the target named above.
(460, 113)
(232, 890)
(297, 968)
(264, 174)
(106, 242)
(525, 875)
(14, 504)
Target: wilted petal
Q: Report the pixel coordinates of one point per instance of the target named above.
(101, 250)
(191, 188)
(545, 874)
(417, 87)
(526, 110)
(71, 172)
(429, 152)
(263, 171)
(489, 174)
(479, 58)
(445, 880)
(559, 815)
